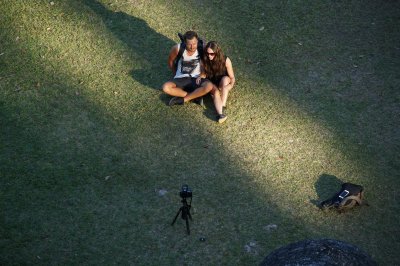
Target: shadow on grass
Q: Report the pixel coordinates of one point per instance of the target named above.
(322, 59)
(326, 186)
(64, 192)
(145, 43)
(76, 187)
(149, 46)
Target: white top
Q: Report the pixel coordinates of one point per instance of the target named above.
(188, 66)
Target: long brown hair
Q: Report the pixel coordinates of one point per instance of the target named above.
(215, 67)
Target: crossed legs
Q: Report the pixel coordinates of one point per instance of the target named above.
(172, 89)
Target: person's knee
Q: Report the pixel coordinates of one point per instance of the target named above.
(225, 81)
(208, 86)
(214, 90)
(166, 88)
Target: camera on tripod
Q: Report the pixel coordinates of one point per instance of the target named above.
(185, 192)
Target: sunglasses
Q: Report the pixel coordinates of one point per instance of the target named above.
(211, 54)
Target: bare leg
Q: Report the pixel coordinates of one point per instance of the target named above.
(216, 95)
(201, 91)
(225, 86)
(170, 88)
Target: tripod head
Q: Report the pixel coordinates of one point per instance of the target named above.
(186, 192)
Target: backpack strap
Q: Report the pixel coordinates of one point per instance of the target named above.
(200, 48)
(182, 47)
(349, 202)
(181, 37)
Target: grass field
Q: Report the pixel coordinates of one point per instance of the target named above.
(92, 159)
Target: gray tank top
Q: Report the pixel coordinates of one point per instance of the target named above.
(188, 66)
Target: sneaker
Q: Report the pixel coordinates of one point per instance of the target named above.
(221, 118)
(176, 100)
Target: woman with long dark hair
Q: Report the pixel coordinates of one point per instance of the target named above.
(218, 69)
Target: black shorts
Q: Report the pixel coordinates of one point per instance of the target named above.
(217, 79)
(188, 84)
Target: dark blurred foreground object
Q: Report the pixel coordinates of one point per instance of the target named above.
(322, 252)
(349, 196)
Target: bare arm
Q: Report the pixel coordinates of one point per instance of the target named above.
(202, 70)
(172, 55)
(202, 73)
(229, 69)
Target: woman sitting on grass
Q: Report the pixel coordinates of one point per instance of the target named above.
(218, 69)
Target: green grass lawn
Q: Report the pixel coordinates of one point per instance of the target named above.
(92, 159)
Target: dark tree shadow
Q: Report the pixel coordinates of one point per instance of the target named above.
(326, 186)
(145, 44)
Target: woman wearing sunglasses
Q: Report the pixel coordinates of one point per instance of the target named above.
(218, 69)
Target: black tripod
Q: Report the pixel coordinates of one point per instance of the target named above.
(185, 213)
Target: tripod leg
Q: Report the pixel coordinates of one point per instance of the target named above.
(186, 215)
(176, 216)
(187, 226)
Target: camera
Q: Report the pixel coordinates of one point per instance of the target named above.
(185, 192)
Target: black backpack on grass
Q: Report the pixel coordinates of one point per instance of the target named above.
(348, 197)
(182, 47)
